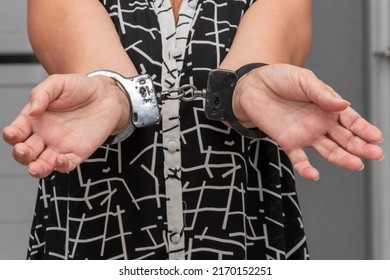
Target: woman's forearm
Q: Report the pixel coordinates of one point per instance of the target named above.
(272, 32)
(78, 36)
(73, 36)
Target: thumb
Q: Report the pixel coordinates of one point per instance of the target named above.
(321, 94)
(45, 93)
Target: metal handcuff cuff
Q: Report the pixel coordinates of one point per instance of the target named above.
(144, 100)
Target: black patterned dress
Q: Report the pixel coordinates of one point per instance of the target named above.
(188, 188)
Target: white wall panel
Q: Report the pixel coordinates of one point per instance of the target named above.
(379, 25)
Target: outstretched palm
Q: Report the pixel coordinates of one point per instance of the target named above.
(298, 111)
(67, 119)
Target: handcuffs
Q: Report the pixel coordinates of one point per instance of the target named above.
(145, 101)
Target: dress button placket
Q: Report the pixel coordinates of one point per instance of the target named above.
(173, 52)
(176, 53)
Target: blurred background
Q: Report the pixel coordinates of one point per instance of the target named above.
(346, 214)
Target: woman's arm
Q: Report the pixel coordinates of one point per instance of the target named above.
(73, 36)
(272, 32)
(70, 36)
(290, 103)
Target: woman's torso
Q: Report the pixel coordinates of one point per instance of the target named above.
(187, 188)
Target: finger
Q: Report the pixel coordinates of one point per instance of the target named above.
(44, 164)
(354, 144)
(45, 93)
(302, 165)
(337, 155)
(18, 131)
(361, 127)
(29, 150)
(320, 93)
(13, 135)
(51, 160)
(67, 162)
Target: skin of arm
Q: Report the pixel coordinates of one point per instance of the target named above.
(272, 32)
(288, 102)
(72, 36)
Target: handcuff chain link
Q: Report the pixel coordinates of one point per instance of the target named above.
(144, 100)
(186, 93)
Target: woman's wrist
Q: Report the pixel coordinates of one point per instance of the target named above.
(124, 116)
(242, 95)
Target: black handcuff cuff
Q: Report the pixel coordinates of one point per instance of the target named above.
(144, 100)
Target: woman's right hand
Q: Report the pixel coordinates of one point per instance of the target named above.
(67, 118)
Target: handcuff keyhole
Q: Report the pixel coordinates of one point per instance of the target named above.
(143, 92)
(216, 101)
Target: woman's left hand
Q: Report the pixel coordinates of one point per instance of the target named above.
(298, 111)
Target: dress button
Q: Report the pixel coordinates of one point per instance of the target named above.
(172, 146)
(176, 53)
(193, 3)
(175, 238)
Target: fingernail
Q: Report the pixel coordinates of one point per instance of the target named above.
(7, 133)
(19, 152)
(33, 106)
(349, 103)
(32, 173)
(60, 162)
(382, 158)
(362, 168)
(380, 141)
(316, 179)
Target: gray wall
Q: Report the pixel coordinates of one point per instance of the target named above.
(335, 209)
(17, 188)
